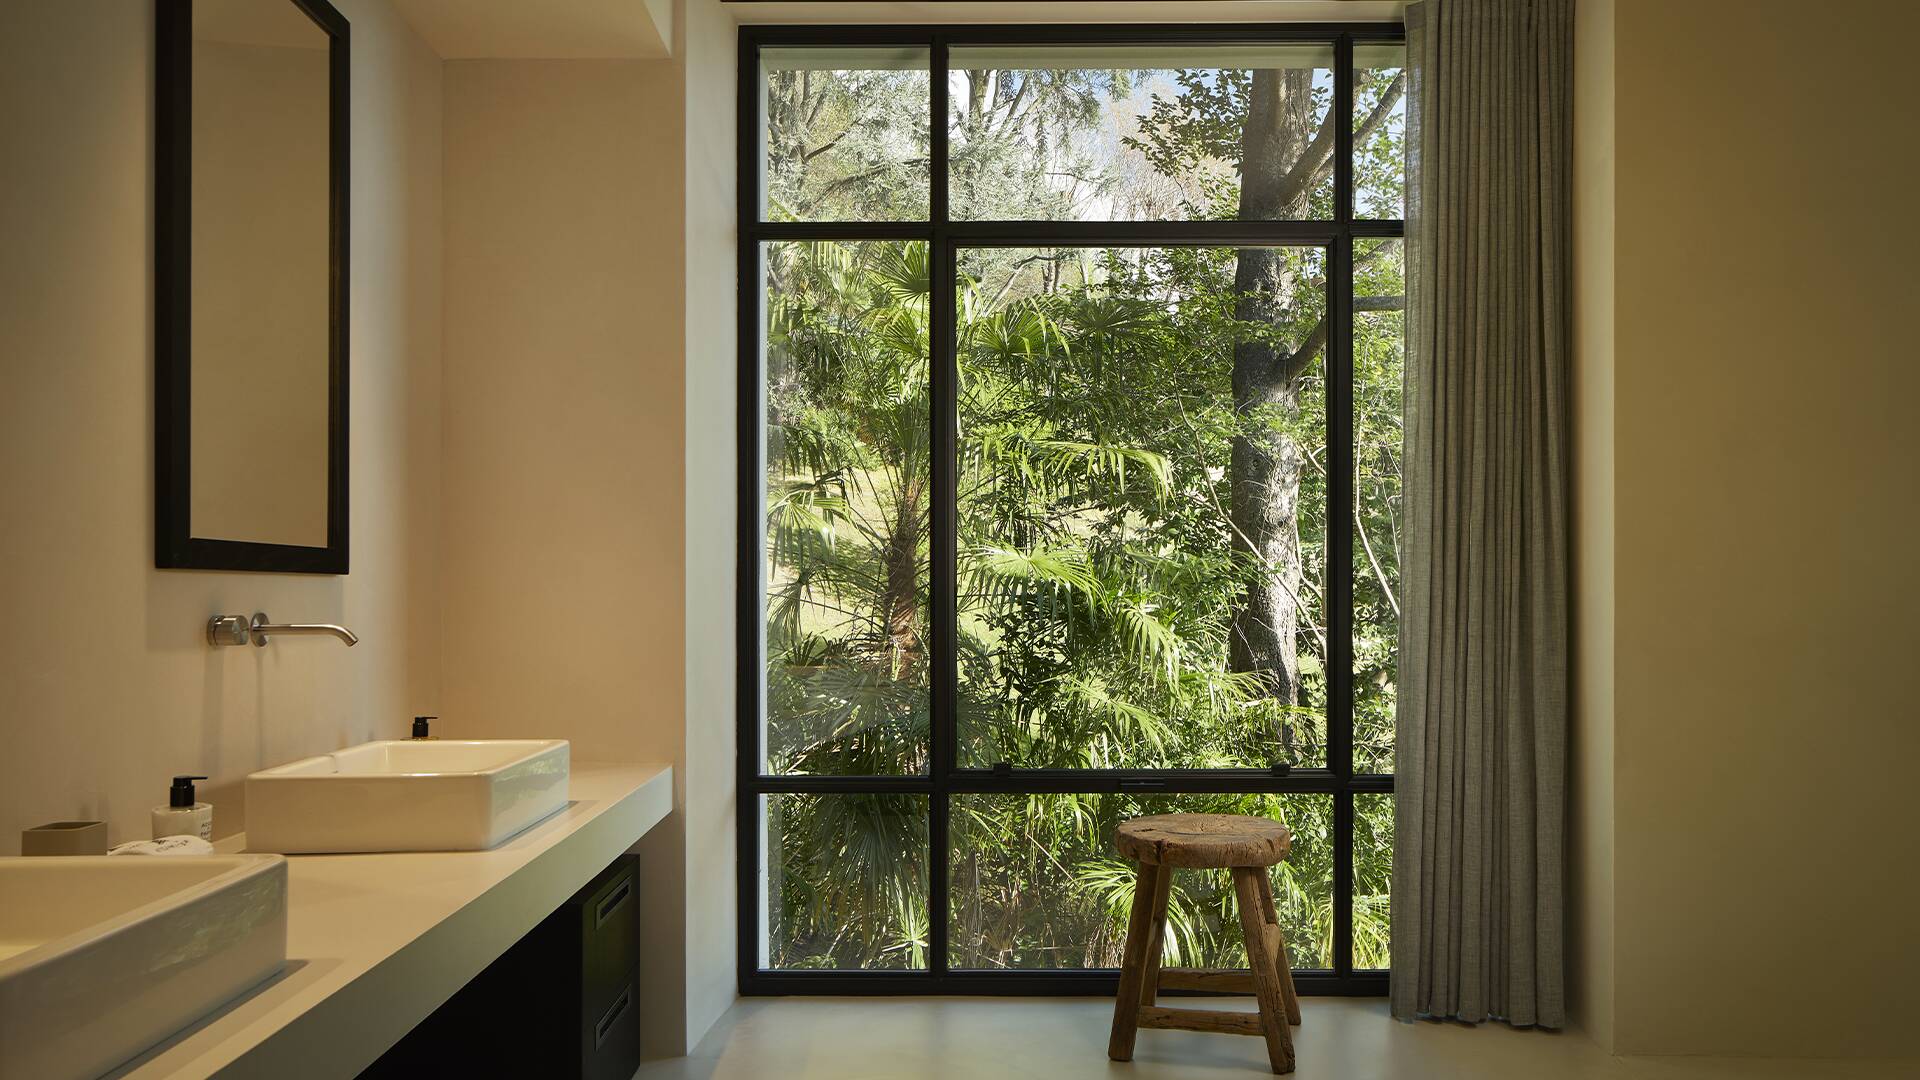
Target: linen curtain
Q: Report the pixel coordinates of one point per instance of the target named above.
(1480, 805)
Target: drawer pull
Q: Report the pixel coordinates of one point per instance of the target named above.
(614, 1012)
(612, 902)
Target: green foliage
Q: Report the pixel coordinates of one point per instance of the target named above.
(847, 876)
(1004, 123)
(846, 145)
(1096, 423)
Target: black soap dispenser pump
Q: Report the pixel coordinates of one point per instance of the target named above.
(420, 728)
(183, 815)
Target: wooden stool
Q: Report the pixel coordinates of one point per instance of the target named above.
(1246, 846)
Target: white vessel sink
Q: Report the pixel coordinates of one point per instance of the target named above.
(103, 956)
(407, 795)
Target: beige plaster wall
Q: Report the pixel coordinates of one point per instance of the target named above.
(564, 438)
(1590, 820)
(1764, 579)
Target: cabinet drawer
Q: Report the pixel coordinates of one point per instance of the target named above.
(610, 1044)
(609, 935)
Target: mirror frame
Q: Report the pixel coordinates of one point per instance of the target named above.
(175, 546)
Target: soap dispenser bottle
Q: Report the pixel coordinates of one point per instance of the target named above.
(420, 729)
(183, 816)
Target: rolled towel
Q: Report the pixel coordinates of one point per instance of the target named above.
(168, 845)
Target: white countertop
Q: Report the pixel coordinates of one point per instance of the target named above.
(376, 942)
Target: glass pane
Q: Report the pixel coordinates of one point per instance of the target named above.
(1037, 883)
(1379, 131)
(1142, 507)
(847, 495)
(1372, 882)
(845, 136)
(844, 884)
(1379, 353)
(1129, 133)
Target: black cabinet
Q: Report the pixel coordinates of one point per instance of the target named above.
(564, 1000)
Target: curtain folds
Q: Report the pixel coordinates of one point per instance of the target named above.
(1479, 843)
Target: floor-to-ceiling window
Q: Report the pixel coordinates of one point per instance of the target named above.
(1070, 465)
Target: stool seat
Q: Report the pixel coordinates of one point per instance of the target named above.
(1203, 841)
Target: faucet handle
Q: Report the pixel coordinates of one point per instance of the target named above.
(229, 630)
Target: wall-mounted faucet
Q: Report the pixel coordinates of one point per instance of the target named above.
(239, 630)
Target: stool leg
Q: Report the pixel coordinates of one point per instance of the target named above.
(1156, 943)
(1126, 1003)
(1283, 962)
(1266, 977)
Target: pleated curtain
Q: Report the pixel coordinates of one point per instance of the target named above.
(1480, 806)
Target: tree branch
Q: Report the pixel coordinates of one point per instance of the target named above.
(1317, 158)
(1380, 575)
(1381, 109)
(850, 180)
(1013, 274)
(1295, 362)
(823, 147)
(1013, 103)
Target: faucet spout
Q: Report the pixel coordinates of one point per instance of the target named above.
(262, 629)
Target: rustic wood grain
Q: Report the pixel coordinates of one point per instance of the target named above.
(1266, 979)
(1157, 940)
(1221, 1021)
(1203, 841)
(1218, 980)
(1282, 962)
(1126, 1002)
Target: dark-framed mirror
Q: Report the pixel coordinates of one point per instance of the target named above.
(250, 285)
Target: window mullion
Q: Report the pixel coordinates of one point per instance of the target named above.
(749, 610)
(943, 546)
(1340, 517)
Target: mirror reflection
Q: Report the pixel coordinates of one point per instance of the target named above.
(260, 274)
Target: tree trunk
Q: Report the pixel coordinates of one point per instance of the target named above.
(901, 605)
(1264, 471)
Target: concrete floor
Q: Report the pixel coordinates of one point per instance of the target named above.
(1066, 1038)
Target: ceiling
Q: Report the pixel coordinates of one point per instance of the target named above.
(543, 30)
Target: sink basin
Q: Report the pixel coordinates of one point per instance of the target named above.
(407, 795)
(103, 956)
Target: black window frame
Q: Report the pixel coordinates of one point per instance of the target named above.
(1336, 236)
